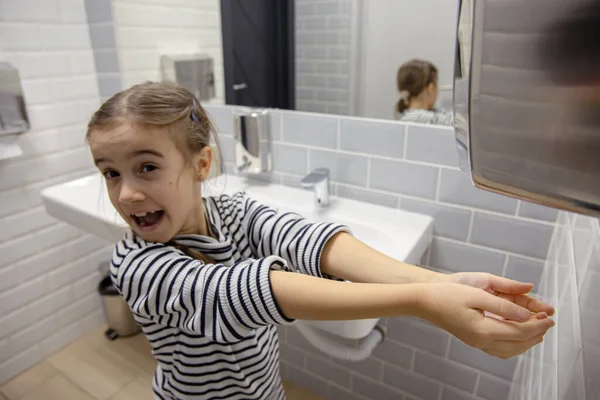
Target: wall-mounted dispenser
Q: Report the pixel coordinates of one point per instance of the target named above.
(527, 110)
(13, 115)
(195, 72)
(252, 141)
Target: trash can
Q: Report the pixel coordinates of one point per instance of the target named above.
(118, 315)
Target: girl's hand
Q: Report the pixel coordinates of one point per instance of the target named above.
(508, 289)
(459, 309)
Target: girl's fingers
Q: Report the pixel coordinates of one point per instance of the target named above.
(531, 303)
(508, 286)
(498, 305)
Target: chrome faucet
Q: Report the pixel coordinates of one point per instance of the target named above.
(319, 180)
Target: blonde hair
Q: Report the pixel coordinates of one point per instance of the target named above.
(162, 105)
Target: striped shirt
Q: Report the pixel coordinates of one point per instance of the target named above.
(212, 327)
(427, 117)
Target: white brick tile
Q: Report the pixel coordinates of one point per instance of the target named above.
(12, 201)
(19, 37)
(15, 250)
(22, 198)
(71, 272)
(41, 142)
(139, 60)
(32, 10)
(73, 11)
(135, 38)
(65, 37)
(21, 295)
(7, 277)
(73, 136)
(20, 341)
(40, 64)
(88, 285)
(49, 166)
(55, 257)
(71, 314)
(52, 303)
(76, 88)
(54, 236)
(38, 91)
(82, 62)
(4, 350)
(23, 223)
(15, 321)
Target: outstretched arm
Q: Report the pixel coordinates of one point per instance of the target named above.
(350, 259)
(455, 307)
(347, 257)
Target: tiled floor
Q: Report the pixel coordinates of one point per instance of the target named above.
(94, 368)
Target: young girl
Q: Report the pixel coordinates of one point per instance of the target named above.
(417, 82)
(209, 279)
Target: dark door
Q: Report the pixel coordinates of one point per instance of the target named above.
(258, 52)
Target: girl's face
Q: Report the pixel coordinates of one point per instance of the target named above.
(149, 182)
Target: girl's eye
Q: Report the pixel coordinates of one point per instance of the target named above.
(110, 174)
(148, 168)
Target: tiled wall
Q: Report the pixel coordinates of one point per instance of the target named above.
(48, 274)
(102, 34)
(147, 29)
(567, 364)
(323, 56)
(413, 167)
(130, 36)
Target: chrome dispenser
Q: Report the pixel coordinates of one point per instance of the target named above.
(13, 115)
(195, 72)
(252, 141)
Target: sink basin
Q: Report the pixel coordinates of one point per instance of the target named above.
(402, 235)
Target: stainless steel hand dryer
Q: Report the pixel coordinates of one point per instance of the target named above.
(527, 100)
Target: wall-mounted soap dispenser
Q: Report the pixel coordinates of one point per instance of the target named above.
(252, 141)
(195, 72)
(13, 115)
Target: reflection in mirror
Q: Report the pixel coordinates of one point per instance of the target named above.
(390, 59)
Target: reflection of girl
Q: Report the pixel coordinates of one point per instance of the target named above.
(417, 83)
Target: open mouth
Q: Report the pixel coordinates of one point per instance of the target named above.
(147, 221)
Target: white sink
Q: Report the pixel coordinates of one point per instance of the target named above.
(399, 234)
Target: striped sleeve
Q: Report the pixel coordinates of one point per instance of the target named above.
(219, 302)
(297, 240)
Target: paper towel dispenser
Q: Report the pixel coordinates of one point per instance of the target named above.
(527, 110)
(13, 116)
(195, 72)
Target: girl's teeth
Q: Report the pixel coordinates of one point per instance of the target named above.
(141, 214)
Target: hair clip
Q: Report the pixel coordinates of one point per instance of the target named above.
(404, 95)
(194, 115)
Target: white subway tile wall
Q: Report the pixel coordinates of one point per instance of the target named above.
(48, 269)
(102, 34)
(323, 58)
(145, 30)
(412, 167)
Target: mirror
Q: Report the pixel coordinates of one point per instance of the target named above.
(344, 56)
